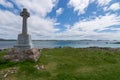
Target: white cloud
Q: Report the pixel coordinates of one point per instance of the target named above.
(42, 26)
(86, 29)
(9, 24)
(59, 11)
(38, 23)
(79, 5)
(6, 4)
(103, 2)
(114, 7)
(82, 5)
(99, 23)
(39, 7)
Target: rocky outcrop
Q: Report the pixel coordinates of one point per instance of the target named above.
(20, 55)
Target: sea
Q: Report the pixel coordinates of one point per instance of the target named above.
(65, 43)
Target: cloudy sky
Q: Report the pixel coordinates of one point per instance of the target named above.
(62, 19)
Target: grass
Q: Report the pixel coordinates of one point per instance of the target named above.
(68, 64)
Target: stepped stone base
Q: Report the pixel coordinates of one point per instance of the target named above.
(15, 55)
(24, 42)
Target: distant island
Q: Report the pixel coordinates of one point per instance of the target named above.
(7, 39)
(1, 39)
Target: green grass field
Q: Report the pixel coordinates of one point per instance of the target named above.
(66, 64)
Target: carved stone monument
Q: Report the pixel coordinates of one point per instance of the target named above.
(23, 50)
(24, 39)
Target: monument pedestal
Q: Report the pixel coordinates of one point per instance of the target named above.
(24, 42)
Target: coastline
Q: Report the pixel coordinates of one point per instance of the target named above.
(94, 47)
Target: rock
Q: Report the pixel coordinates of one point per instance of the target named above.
(40, 67)
(37, 66)
(5, 75)
(16, 55)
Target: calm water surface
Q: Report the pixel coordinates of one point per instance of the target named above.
(75, 44)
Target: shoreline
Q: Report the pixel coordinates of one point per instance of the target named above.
(94, 47)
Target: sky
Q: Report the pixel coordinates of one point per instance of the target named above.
(62, 19)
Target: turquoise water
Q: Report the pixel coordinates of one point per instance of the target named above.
(75, 44)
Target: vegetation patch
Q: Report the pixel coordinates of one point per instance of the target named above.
(65, 64)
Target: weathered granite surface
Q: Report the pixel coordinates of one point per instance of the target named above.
(16, 55)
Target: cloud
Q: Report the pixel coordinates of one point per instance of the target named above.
(42, 26)
(5, 3)
(103, 2)
(114, 7)
(79, 5)
(38, 23)
(39, 7)
(92, 29)
(99, 23)
(59, 11)
(9, 24)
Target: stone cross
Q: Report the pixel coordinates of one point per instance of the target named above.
(24, 41)
(23, 50)
(25, 15)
